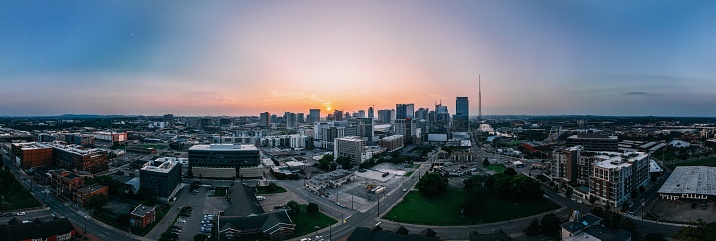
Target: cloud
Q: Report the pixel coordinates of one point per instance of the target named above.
(641, 93)
(298, 96)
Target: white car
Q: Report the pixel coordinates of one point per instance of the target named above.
(260, 198)
(20, 214)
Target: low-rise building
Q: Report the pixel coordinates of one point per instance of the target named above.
(392, 143)
(162, 178)
(60, 229)
(85, 193)
(331, 179)
(65, 183)
(143, 215)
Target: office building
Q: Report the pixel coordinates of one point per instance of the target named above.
(315, 115)
(422, 113)
(361, 114)
(350, 146)
(265, 120)
(594, 142)
(338, 115)
(300, 118)
(365, 127)
(110, 136)
(169, 118)
(30, 154)
(162, 177)
(65, 183)
(461, 118)
(318, 128)
(406, 128)
(384, 116)
(222, 160)
(371, 114)
(290, 118)
(330, 179)
(403, 111)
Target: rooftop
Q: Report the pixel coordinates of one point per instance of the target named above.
(91, 188)
(337, 174)
(223, 147)
(613, 160)
(142, 210)
(165, 167)
(692, 180)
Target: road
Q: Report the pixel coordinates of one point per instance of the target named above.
(74, 214)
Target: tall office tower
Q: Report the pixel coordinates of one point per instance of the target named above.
(422, 113)
(265, 119)
(318, 128)
(405, 127)
(361, 114)
(442, 120)
(431, 116)
(300, 118)
(403, 111)
(392, 114)
(274, 118)
(315, 115)
(370, 112)
(384, 116)
(365, 127)
(290, 120)
(347, 115)
(461, 119)
(338, 115)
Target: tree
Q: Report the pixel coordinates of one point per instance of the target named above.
(432, 184)
(312, 208)
(533, 229)
(550, 224)
(96, 202)
(295, 208)
(628, 225)
(654, 237)
(200, 237)
(326, 163)
(510, 172)
(345, 162)
(271, 187)
(569, 192)
(592, 200)
(486, 162)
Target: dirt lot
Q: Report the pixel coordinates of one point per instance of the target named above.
(681, 211)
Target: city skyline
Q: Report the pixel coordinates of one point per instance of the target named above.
(244, 58)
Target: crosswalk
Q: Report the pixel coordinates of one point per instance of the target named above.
(629, 215)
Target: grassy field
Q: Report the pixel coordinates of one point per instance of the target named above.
(496, 167)
(306, 222)
(414, 166)
(711, 161)
(407, 174)
(264, 190)
(444, 210)
(14, 194)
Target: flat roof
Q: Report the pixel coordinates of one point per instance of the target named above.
(91, 188)
(142, 210)
(165, 167)
(615, 159)
(224, 147)
(691, 180)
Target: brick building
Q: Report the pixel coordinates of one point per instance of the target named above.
(65, 183)
(143, 215)
(83, 194)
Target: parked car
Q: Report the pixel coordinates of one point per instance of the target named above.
(703, 206)
(20, 214)
(260, 198)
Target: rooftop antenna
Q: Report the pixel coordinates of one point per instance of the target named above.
(479, 102)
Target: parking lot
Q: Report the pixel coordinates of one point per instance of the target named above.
(683, 211)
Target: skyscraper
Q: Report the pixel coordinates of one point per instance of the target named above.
(461, 117)
(264, 119)
(370, 112)
(384, 116)
(361, 114)
(403, 111)
(290, 119)
(300, 118)
(315, 115)
(338, 115)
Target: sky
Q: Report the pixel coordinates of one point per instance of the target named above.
(197, 58)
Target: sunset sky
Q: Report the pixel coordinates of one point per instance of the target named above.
(246, 57)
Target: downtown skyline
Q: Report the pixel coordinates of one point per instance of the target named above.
(242, 58)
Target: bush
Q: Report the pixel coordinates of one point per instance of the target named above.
(312, 208)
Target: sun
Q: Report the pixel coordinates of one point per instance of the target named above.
(328, 108)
